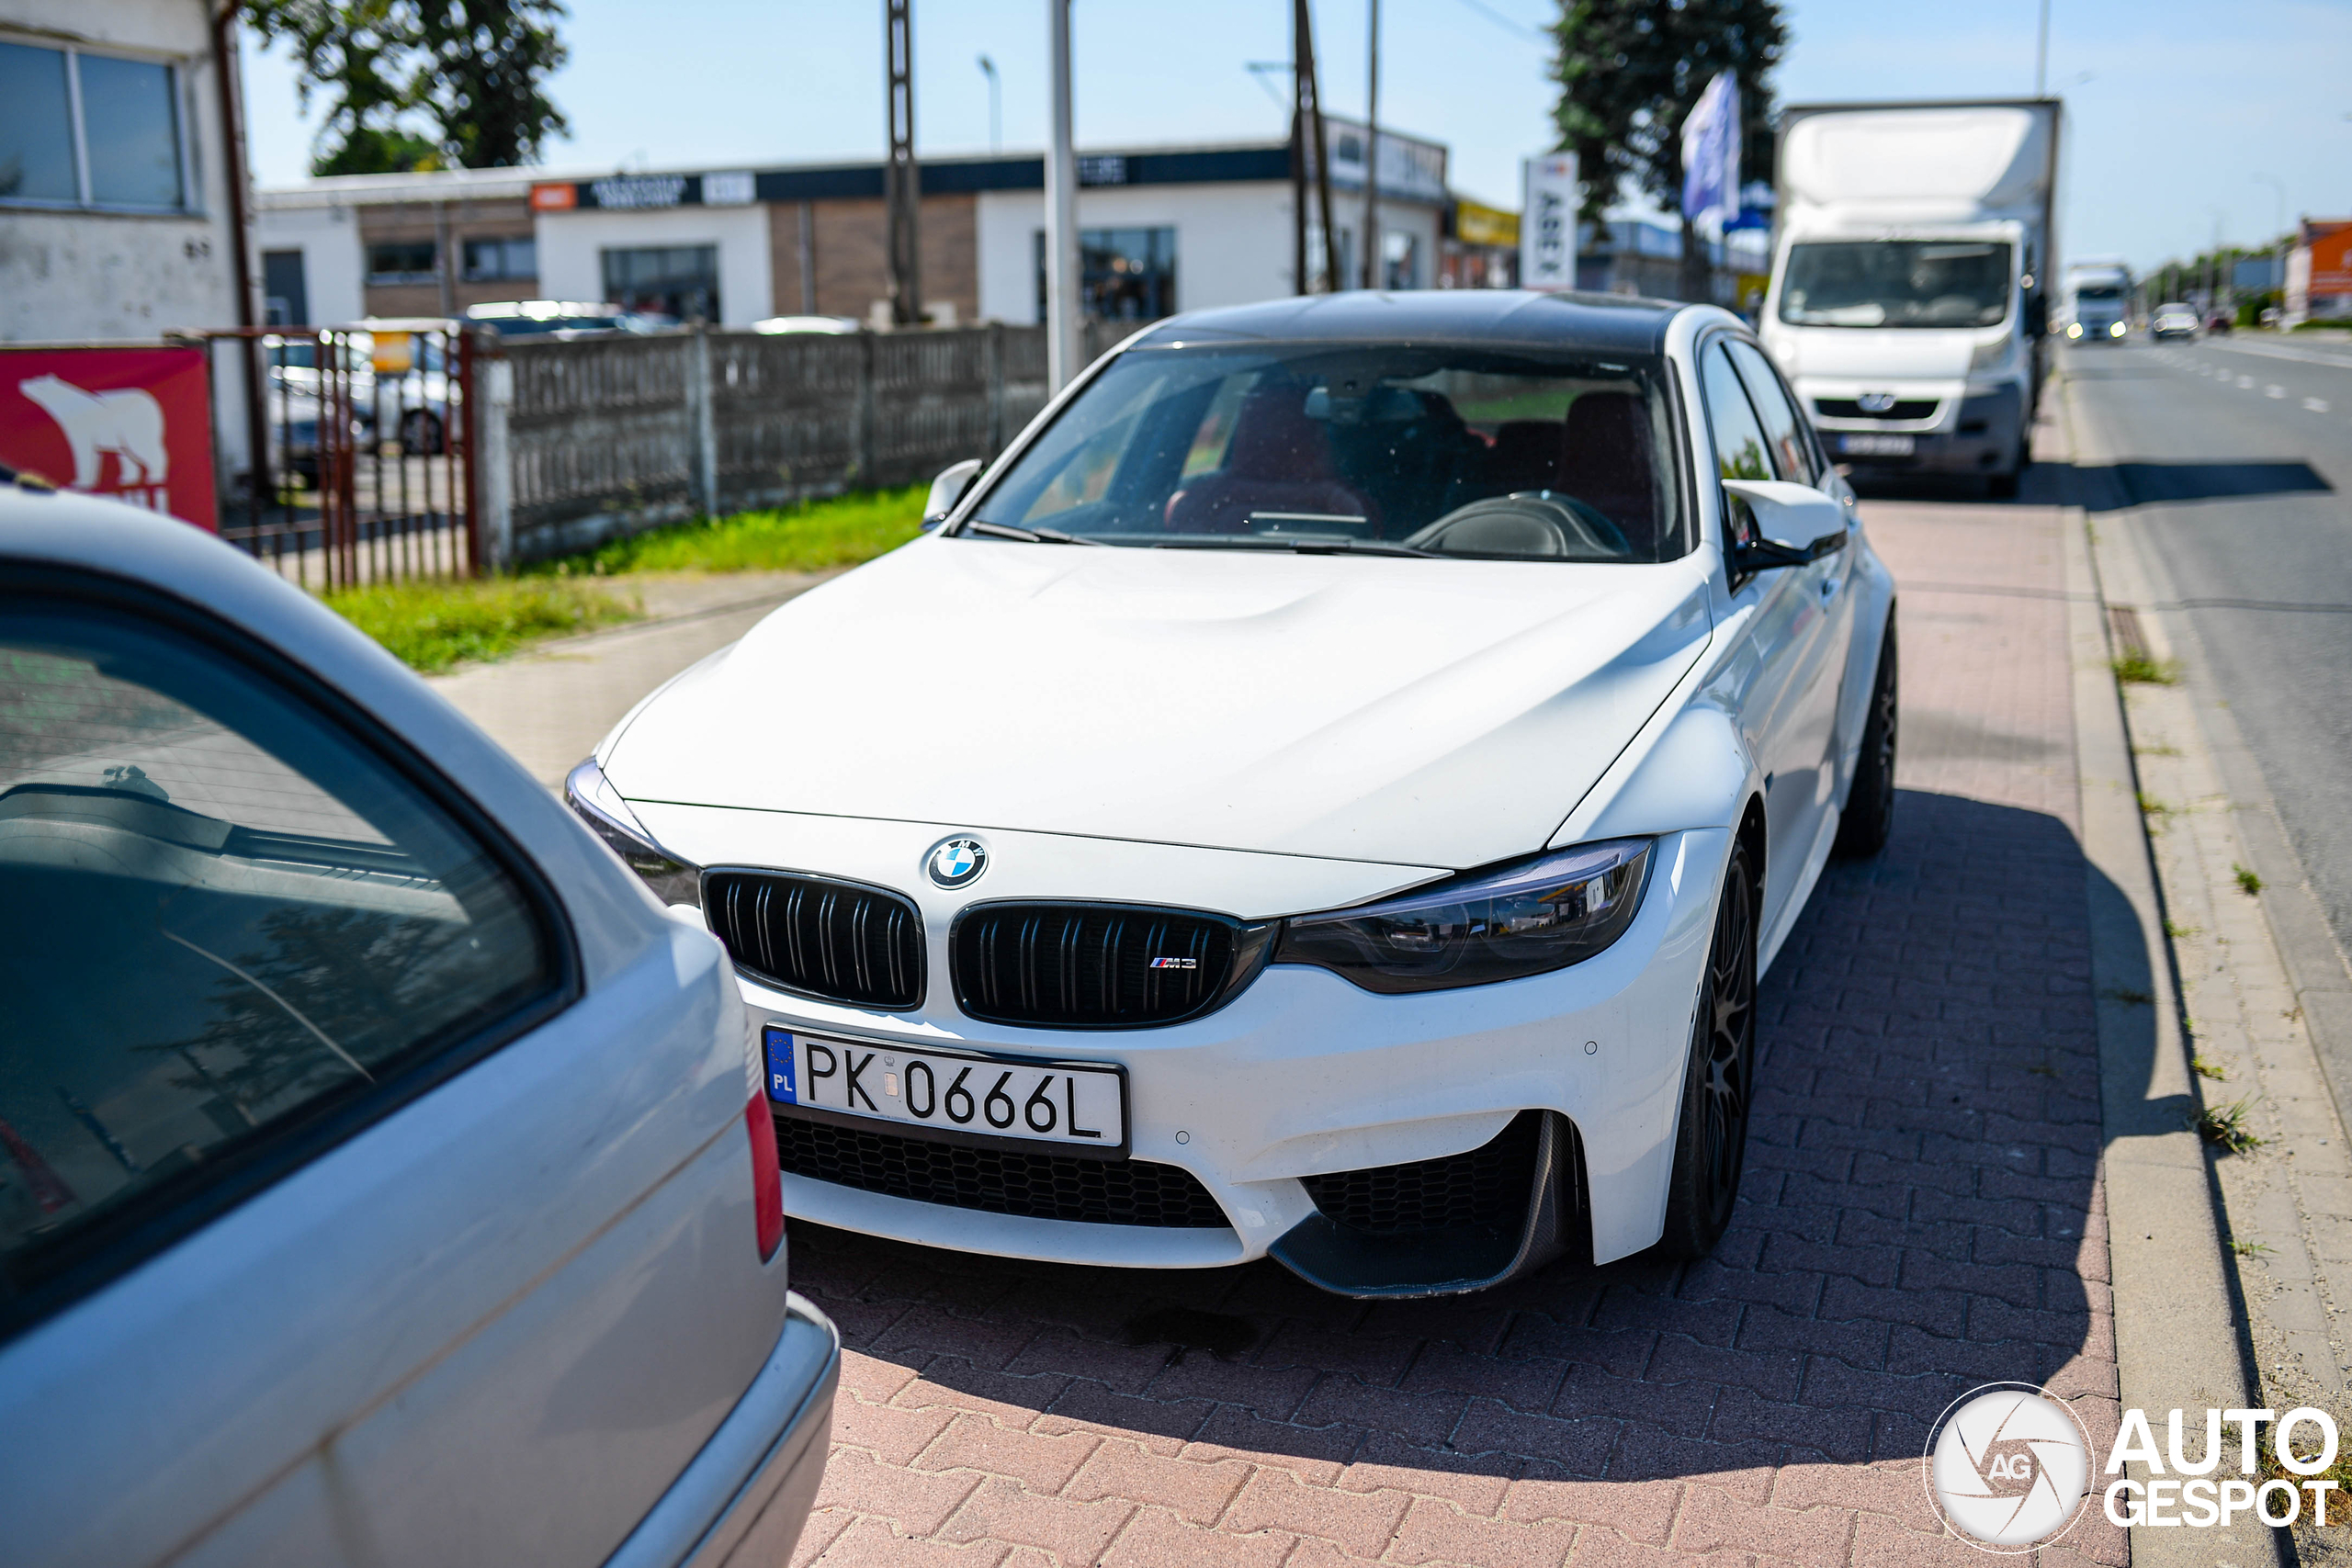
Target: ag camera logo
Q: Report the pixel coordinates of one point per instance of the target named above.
(2007, 1467)
(957, 862)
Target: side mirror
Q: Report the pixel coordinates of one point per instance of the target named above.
(948, 490)
(1798, 525)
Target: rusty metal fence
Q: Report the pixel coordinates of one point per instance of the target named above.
(363, 470)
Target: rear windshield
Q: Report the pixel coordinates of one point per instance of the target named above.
(1896, 283)
(1400, 449)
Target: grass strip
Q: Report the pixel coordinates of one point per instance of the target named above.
(431, 624)
(842, 531)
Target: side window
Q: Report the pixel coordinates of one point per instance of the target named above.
(1741, 450)
(223, 918)
(1792, 453)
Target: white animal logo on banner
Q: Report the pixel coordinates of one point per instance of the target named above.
(129, 424)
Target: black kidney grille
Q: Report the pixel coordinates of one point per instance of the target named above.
(1089, 966)
(1487, 1189)
(828, 938)
(996, 1181)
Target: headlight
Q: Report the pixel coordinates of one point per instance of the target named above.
(598, 804)
(1988, 355)
(2073, 329)
(1539, 915)
(2115, 331)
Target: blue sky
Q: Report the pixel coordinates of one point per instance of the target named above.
(2184, 105)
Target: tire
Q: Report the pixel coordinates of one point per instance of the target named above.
(420, 433)
(1719, 1083)
(2002, 486)
(1869, 803)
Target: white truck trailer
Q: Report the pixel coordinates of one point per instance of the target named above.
(1908, 301)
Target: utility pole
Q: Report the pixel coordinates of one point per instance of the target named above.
(2041, 54)
(1310, 160)
(2278, 189)
(996, 106)
(901, 181)
(1372, 162)
(1064, 338)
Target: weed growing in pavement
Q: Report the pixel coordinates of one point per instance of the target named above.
(844, 530)
(2247, 881)
(2155, 750)
(2205, 1068)
(2127, 994)
(2154, 810)
(2251, 1248)
(2223, 1126)
(2043, 1069)
(2180, 933)
(431, 624)
(2137, 668)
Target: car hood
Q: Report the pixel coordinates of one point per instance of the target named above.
(1430, 712)
(1897, 354)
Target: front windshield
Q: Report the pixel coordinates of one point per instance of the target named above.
(2099, 291)
(1896, 283)
(1402, 449)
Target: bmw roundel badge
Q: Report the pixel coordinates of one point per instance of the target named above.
(957, 862)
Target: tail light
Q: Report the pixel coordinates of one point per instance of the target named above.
(767, 1184)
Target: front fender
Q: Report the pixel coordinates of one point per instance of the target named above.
(1872, 586)
(1695, 771)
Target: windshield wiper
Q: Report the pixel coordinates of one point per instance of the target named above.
(1296, 547)
(1026, 535)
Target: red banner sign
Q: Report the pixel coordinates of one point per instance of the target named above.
(133, 424)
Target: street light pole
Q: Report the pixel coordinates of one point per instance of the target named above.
(1372, 257)
(1063, 340)
(2278, 189)
(996, 106)
(2041, 52)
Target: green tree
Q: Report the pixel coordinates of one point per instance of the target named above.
(1630, 72)
(421, 83)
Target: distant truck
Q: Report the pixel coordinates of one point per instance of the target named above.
(1908, 301)
(2095, 302)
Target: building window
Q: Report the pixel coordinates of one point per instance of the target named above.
(494, 260)
(80, 130)
(285, 292)
(402, 261)
(678, 281)
(1125, 275)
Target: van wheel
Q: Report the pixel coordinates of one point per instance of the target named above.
(1719, 1085)
(1869, 803)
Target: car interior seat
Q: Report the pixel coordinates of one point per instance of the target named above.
(1279, 460)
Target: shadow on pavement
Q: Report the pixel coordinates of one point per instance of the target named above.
(1913, 1223)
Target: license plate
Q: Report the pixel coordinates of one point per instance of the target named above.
(955, 1093)
(1877, 445)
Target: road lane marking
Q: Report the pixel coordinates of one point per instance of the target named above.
(2317, 405)
(2246, 383)
(2275, 391)
(2279, 351)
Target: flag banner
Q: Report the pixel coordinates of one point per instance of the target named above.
(1710, 153)
(1547, 224)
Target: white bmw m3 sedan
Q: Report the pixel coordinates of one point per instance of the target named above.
(1327, 790)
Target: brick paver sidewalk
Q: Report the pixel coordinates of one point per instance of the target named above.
(1921, 1214)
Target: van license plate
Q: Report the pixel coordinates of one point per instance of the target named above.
(1877, 445)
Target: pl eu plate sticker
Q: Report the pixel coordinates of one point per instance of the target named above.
(779, 1052)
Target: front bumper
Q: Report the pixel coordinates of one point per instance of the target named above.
(744, 1497)
(1971, 432)
(1303, 1074)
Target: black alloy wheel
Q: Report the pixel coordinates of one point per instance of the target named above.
(1870, 802)
(1719, 1086)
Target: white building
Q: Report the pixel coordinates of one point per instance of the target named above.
(114, 184)
(1162, 230)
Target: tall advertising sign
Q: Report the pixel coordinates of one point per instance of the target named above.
(1710, 153)
(1547, 226)
(131, 424)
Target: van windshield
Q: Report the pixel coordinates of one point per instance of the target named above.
(1897, 283)
(1420, 449)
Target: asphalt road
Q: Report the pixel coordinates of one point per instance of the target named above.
(2234, 457)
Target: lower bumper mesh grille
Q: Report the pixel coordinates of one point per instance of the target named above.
(996, 1181)
(1484, 1190)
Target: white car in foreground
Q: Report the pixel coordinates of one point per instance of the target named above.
(1328, 790)
(384, 1179)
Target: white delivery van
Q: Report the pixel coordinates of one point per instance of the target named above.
(1907, 303)
(2095, 303)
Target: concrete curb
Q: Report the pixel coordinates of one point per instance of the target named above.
(2172, 1350)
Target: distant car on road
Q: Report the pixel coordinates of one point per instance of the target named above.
(2218, 324)
(1327, 792)
(383, 1176)
(2172, 321)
